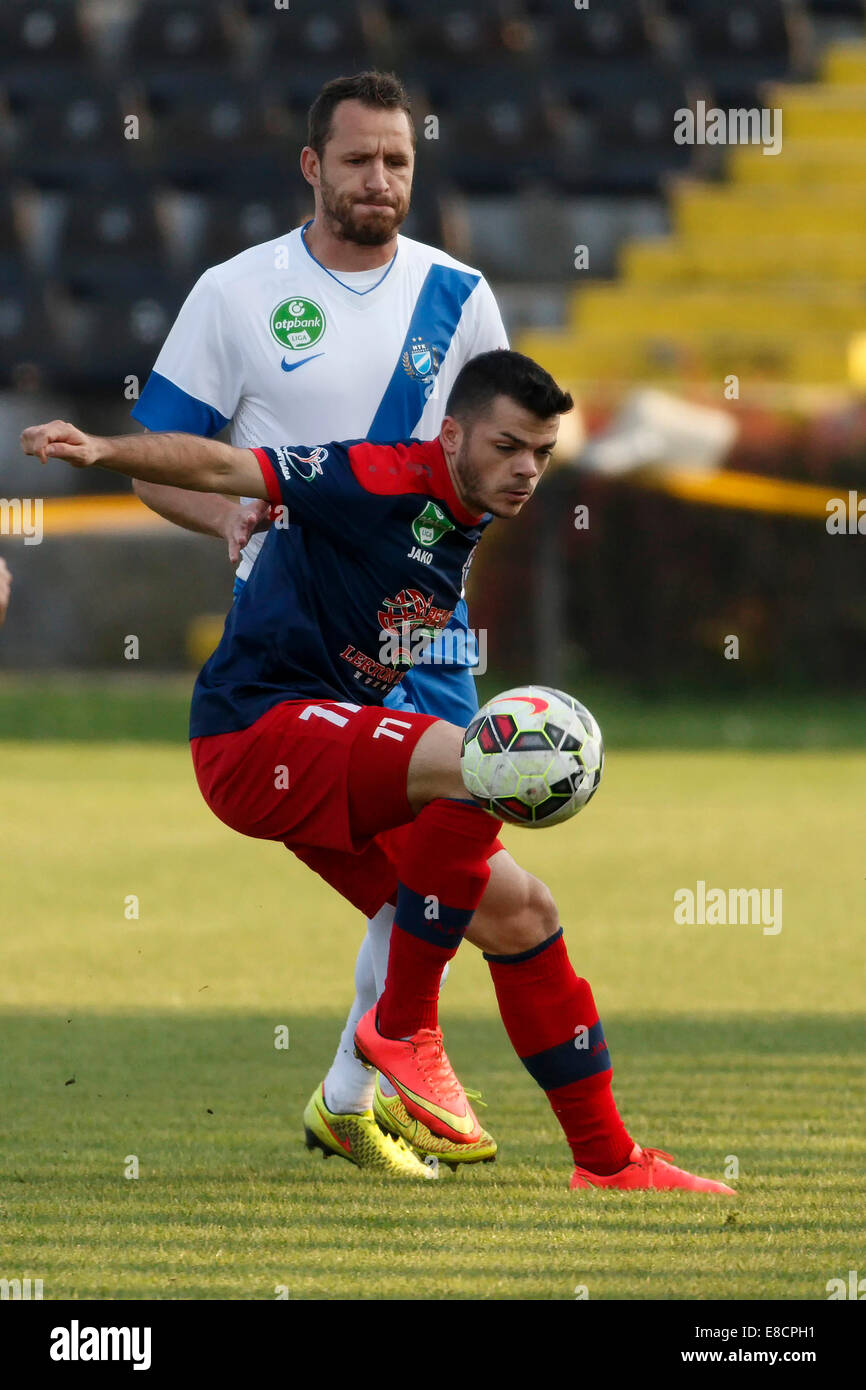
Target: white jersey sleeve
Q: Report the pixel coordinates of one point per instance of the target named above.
(485, 329)
(197, 379)
(480, 330)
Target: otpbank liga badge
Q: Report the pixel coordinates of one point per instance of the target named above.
(297, 323)
(420, 360)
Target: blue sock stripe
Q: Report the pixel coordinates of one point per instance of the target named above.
(565, 1063)
(415, 915)
(524, 955)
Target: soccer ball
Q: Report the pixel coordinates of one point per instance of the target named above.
(532, 756)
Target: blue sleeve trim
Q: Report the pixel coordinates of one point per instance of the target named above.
(164, 406)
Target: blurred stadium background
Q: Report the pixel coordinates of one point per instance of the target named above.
(705, 303)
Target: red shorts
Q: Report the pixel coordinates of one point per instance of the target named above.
(326, 779)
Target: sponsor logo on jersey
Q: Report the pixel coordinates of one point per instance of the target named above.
(412, 609)
(306, 466)
(420, 360)
(410, 612)
(431, 525)
(293, 366)
(298, 323)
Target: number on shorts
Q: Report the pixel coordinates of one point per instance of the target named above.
(330, 714)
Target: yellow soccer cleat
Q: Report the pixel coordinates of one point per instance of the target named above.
(392, 1115)
(359, 1139)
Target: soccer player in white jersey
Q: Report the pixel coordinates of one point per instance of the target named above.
(342, 329)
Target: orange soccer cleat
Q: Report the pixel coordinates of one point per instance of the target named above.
(649, 1169)
(422, 1076)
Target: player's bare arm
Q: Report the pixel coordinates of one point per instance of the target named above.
(226, 518)
(182, 460)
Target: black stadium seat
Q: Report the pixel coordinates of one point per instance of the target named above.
(498, 143)
(102, 340)
(635, 145)
(64, 129)
(737, 45)
(201, 131)
(233, 223)
(25, 335)
(310, 32)
(47, 32)
(111, 240)
(615, 29)
(180, 35)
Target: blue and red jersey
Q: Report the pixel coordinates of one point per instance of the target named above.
(369, 549)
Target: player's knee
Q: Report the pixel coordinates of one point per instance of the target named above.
(530, 918)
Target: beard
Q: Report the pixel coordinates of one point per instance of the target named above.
(470, 479)
(363, 228)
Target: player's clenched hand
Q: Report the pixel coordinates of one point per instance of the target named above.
(60, 440)
(240, 525)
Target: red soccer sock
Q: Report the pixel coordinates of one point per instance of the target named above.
(551, 1019)
(442, 874)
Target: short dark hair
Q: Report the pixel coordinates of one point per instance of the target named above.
(382, 89)
(505, 373)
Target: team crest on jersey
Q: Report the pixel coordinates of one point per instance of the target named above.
(431, 525)
(307, 466)
(420, 360)
(297, 323)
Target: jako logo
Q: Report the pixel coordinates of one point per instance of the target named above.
(75, 1343)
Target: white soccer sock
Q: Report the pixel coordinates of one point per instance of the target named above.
(349, 1084)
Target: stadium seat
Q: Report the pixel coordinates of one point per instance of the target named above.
(47, 32)
(25, 335)
(601, 33)
(111, 240)
(64, 128)
(497, 143)
(737, 45)
(448, 51)
(308, 32)
(11, 249)
(199, 130)
(103, 340)
(635, 144)
(232, 223)
(181, 34)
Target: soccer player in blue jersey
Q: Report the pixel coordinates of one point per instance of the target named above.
(373, 799)
(343, 328)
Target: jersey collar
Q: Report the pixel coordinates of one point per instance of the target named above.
(360, 293)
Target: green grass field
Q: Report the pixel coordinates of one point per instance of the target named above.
(154, 1037)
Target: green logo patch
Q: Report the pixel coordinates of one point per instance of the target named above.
(297, 323)
(431, 525)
